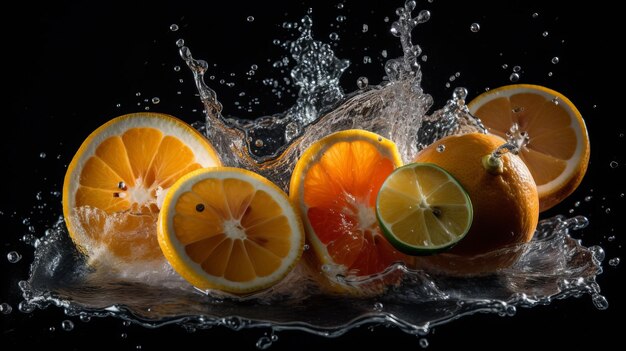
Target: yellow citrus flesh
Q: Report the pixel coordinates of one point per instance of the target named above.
(557, 152)
(505, 205)
(422, 209)
(113, 184)
(334, 185)
(229, 229)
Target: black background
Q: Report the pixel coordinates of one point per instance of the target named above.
(70, 64)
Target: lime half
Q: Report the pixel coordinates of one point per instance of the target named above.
(422, 209)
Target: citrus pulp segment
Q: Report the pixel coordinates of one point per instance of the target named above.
(229, 229)
(113, 184)
(557, 152)
(422, 209)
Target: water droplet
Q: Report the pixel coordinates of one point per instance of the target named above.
(156, 100)
(608, 210)
(258, 143)
(367, 59)
(514, 77)
(67, 325)
(276, 42)
(577, 203)
(613, 164)
(126, 323)
(555, 60)
(333, 36)
(505, 66)
(597, 252)
(423, 343)
(25, 307)
(475, 27)
(424, 58)
(5, 308)
(177, 68)
(14, 257)
(362, 82)
(84, 318)
(386, 19)
(459, 93)
(614, 261)
(52, 329)
(588, 198)
(555, 100)
(306, 247)
(600, 302)
(517, 68)
(138, 347)
(378, 306)
(180, 43)
(340, 19)
(365, 28)
(535, 15)
(441, 148)
(340, 5)
(384, 53)
(571, 210)
(138, 93)
(123, 335)
(264, 343)
(611, 238)
(250, 19)
(174, 27)
(200, 207)
(447, 84)
(42, 155)
(545, 34)
(550, 74)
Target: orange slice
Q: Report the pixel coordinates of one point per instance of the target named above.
(229, 229)
(334, 185)
(114, 183)
(557, 152)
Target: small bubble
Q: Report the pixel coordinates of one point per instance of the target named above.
(571, 210)
(424, 58)
(614, 261)
(386, 19)
(362, 82)
(535, 15)
(423, 343)
(545, 34)
(340, 19)
(123, 335)
(333, 36)
(42, 155)
(5, 308)
(441, 148)
(367, 59)
(25, 307)
(250, 19)
(264, 343)
(514, 77)
(597, 252)
(177, 68)
(156, 100)
(613, 164)
(600, 302)
(340, 5)
(505, 66)
(126, 323)
(180, 43)
(555, 100)
(555, 60)
(200, 207)
(138, 347)
(447, 84)
(577, 203)
(611, 238)
(384, 53)
(608, 210)
(588, 198)
(14, 257)
(174, 27)
(365, 28)
(67, 325)
(258, 143)
(378, 306)
(306, 247)
(52, 329)
(550, 74)
(84, 318)
(517, 68)
(138, 93)
(276, 42)
(118, 105)
(475, 27)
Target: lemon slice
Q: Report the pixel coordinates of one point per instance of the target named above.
(422, 209)
(116, 179)
(229, 229)
(557, 152)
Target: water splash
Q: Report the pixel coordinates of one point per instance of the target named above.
(552, 266)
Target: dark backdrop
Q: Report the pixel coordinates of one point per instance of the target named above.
(68, 65)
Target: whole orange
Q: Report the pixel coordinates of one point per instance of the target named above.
(505, 202)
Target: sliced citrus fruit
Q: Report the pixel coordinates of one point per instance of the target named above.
(229, 229)
(422, 209)
(334, 185)
(557, 152)
(115, 180)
